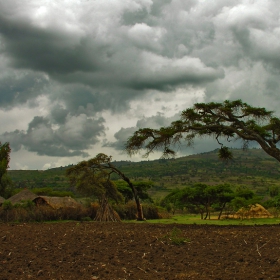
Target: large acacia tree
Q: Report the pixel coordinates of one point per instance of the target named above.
(229, 120)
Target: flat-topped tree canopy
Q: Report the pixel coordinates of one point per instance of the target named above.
(229, 120)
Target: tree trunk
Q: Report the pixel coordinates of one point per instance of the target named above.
(220, 214)
(207, 212)
(206, 215)
(140, 216)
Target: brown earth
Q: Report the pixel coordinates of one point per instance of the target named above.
(111, 251)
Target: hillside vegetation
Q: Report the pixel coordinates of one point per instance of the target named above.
(252, 168)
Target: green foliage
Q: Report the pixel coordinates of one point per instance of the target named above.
(244, 192)
(244, 198)
(25, 204)
(201, 198)
(142, 188)
(273, 203)
(7, 205)
(97, 172)
(128, 211)
(274, 191)
(91, 180)
(125, 190)
(225, 154)
(191, 219)
(174, 200)
(53, 178)
(51, 192)
(251, 167)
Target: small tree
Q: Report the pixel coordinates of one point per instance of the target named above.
(201, 197)
(97, 172)
(92, 182)
(230, 119)
(173, 201)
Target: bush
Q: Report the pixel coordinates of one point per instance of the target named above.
(30, 213)
(128, 211)
(7, 205)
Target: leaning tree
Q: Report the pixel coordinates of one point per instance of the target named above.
(230, 120)
(97, 183)
(96, 174)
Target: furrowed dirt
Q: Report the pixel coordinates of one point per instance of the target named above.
(111, 251)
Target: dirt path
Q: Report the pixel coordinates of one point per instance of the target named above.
(111, 251)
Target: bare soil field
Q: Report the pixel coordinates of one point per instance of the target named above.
(111, 251)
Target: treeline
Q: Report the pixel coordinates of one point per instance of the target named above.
(252, 168)
(221, 199)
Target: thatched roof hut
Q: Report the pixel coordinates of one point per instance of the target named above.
(22, 196)
(56, 202)
(2, 199)
(255, 211)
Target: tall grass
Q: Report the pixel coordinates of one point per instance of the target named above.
(192, 219)
(45, 213)
(29, 212)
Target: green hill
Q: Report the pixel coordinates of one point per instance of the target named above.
(253, 168)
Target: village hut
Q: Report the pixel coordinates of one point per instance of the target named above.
(255, 211)
(22, 196)
(2, 199)
(56, 202)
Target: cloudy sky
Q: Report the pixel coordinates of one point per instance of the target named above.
(77, 77)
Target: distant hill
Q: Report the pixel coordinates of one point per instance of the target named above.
(252, 167)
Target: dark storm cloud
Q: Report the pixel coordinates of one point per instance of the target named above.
(77, 61)
(70, 139)
(69, 57)
(169, 79)
(44, 50)
(20, 88)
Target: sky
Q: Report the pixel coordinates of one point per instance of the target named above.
(78, 77)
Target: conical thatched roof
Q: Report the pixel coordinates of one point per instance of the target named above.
(57, 202)
(2, 199)
(255, 211)
(22, 196)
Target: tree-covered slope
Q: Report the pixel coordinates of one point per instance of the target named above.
(251, 167)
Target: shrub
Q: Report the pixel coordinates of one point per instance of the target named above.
(30, 213)
(7, 205)
(128, 211)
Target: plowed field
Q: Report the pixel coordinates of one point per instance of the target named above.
(111, 251)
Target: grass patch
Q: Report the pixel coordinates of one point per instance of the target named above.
(175, 237)
(195, 219)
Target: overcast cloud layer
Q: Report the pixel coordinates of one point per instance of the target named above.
(77, 77)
